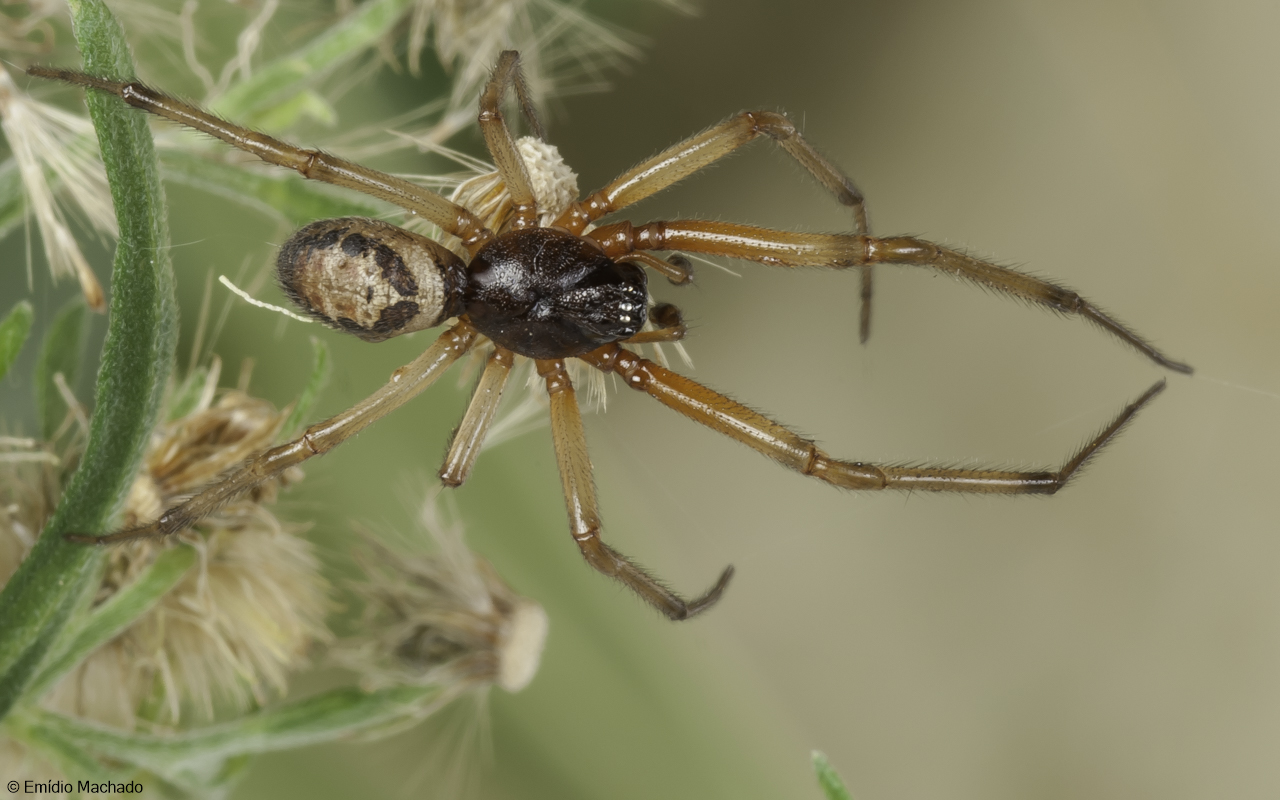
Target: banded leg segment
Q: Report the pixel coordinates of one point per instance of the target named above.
(835, 251)
(701, 150)
(313, 164)
(714, 410)
(502, 145)
(318, 439)
(468, 439)
(584, 514)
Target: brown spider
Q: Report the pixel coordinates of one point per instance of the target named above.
(563, 291)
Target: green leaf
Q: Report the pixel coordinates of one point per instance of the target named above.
(194, 757)
(108, 620)
(69, 758)
(828, 778)
(320, 369)
(61, 352)
(340, 43)
(13, 333)
(58, 576)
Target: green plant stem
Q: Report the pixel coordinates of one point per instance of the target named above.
(57, 576)
(191, 758)
(832, 786)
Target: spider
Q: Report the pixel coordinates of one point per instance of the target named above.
(568, 290)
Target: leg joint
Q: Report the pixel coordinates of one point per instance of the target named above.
(308, 166)
(771, 124)
(552, 371)
(306, 441)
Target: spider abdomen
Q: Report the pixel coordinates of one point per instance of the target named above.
(547, 294)
(370, 278)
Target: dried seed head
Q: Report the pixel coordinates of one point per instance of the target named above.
(47, 140)
(444, 617)
(228, 634)
(562, 46)
(554, 184)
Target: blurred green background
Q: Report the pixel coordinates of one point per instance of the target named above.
(1119, 640)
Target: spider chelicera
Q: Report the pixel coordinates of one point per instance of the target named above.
(567, 290)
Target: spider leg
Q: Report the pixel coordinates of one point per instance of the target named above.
(313, 164)
(584, 515)
(469, 437)
(502, 145)
(700, 150)
(671, 327)
(714, 410)
(835, 251)
(318, 439)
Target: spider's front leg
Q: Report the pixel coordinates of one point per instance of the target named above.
(703, 149)
(584, 515)
(312, 164)
(835, 251)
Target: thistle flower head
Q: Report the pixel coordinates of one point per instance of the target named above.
(56, 152)
(554, 184)
(443, 618)
(229, 632)
(563, 48)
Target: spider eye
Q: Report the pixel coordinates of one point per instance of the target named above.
(370, 278)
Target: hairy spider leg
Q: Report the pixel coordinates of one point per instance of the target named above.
(712, 409)
(314, 164)
(405, 384)
(835, 251)
(468, 439)
(701, 150)
(584, 513)
(502, 145)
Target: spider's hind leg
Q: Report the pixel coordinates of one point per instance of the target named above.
(712, 409)
(584, 515)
